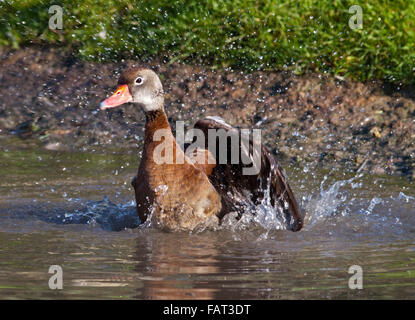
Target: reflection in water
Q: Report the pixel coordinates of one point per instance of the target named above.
(169, 263)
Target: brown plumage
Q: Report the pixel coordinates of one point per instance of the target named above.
(195, 190)
(179, 196)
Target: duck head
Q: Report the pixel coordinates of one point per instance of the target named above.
(137, 85)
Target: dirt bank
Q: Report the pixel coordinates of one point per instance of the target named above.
(315, 119)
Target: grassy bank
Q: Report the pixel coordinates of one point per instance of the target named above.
(303, 36)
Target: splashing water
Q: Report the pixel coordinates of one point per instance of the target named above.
(403, 196)
(264, 215)
(372, 204)
(110, 216)
(331, 201)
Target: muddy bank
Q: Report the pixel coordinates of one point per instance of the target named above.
(314, 120)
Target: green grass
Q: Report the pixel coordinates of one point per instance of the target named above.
(309, 35)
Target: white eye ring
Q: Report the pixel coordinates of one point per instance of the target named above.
(138, 81)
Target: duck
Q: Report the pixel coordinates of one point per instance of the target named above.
(197, 187)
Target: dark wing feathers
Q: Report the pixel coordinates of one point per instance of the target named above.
(231, 183)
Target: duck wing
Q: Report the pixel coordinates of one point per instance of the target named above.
(230, 179)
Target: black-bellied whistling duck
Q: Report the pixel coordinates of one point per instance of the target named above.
(194, 193)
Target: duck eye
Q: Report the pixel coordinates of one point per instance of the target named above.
(139, 80)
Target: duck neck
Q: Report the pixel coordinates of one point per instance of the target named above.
(156, 117)
(155, 120)
(157, 132)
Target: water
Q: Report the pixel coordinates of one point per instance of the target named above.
(76, 210)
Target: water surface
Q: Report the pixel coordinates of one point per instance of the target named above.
(76, 210)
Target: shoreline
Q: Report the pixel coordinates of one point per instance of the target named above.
(311, 120)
